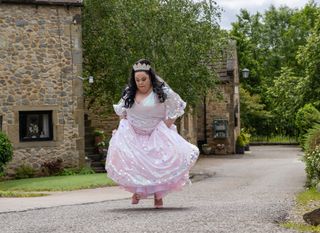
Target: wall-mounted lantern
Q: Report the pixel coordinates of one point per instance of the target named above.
(245, 73)
(90, 78)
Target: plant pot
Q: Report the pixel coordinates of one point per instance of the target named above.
(98, 139)
(240, 150)
(207, 150)
(220, 151)
(247, 147)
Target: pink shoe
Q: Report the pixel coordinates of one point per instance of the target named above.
(158, 202)
(135, 199)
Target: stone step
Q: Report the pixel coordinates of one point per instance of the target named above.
(90, 148)
(88, 134)
(97, 163)
(89, 129)
(98, 166)
(88, 143)
(99, 170)
(89, 153)
(95, 157)
(89, 138)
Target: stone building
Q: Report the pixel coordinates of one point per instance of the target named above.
(41, 99)
(218, 120)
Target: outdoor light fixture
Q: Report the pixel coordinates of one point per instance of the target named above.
(245, 73)
(76, 19)
(90, 78)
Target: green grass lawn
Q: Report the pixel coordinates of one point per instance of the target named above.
(21, 194)
(57, 183)
(308, 195)
(306, 201)
(302, 227)
(274, 139)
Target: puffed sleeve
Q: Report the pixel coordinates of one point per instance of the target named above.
(174, 104)
(119, 108)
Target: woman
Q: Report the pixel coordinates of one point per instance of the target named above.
(146, 155)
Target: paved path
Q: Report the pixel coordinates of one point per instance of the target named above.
(248, 193)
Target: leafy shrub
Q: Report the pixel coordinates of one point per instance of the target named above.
(306, 117)
(98, 132)
(312, 138)
(240, 142)
(101, 141)
(86, 170)
(246, 136)
(312, 160)
(24, 171)
(6, 150)
(52, 167)
(2, 175)
(75, 171)
(68, 172)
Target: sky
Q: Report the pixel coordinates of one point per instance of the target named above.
(232, 7)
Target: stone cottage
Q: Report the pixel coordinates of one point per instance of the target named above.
(218, 120)
(41, 99)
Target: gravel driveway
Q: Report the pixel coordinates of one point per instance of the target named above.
(248, 193)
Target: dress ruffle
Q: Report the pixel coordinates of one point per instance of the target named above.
(119, 108)
(174, 104)
(150, 162)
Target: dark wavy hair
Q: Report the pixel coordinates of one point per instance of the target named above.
(130, 91)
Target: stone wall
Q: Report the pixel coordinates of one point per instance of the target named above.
(221, 110)
(40, 56)
(227, 108)
(103, 121)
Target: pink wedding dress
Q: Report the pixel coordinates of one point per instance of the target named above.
(144, 155)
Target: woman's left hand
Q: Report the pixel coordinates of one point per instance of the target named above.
(169, 122)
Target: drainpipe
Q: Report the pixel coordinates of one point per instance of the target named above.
(205, 119)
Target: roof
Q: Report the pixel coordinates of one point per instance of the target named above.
(46, 2)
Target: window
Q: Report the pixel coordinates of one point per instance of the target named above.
(220, 128)
(35, 126)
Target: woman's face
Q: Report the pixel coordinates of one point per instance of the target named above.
(143, 81)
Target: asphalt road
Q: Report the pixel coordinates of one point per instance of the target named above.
(249, 193)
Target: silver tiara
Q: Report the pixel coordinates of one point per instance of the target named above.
(140, 66)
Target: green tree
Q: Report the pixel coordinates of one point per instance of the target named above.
(306, 118)
(309, 58)
(253, 112)
(181, 38)
(247, 32)
(285, 96)
(268, 44)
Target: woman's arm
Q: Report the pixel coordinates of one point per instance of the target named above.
(169, 122)
(174, 107)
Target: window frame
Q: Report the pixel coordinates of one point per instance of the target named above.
(23, 124)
